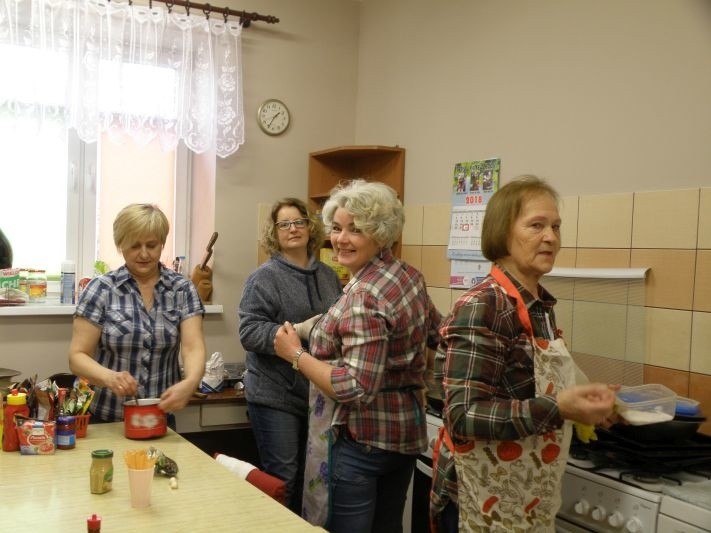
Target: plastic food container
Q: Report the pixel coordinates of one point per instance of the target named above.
(687, 406)
(143, 419)
(646, 404)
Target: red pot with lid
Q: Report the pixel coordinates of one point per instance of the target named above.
(143, 419)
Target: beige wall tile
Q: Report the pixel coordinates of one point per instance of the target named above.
(412, 231)
(561, 288)
(676, 380)
(666, 219)
(569, 217)
(702, 281)
(602, 258)
(701, 343)
(605, 221)
(435, 224)
(441, 298)
(704, 240)
(602, 369)
(613, 291)
(564, 320)
(599, 329)
(668, 334)
(670, 279)
(435, 266)
(412, 255)
(566, 258)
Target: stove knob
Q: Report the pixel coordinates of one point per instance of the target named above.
(598, 514)
(582, 507)
(616, 519)
(634, 525)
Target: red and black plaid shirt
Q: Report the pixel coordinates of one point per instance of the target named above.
(376, 336)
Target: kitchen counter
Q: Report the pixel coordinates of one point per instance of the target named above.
(52, 491)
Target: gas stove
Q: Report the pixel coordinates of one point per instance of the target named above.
(616, 485)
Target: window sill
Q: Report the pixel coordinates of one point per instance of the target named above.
(53, 308)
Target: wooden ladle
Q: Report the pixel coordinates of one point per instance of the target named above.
(202, 274)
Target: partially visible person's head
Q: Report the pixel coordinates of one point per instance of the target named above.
(375, 208)
(139, 221)
(270, 232)
(504, 208)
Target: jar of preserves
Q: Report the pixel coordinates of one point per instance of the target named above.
(101, 474)
(37, 286)
(66, 432)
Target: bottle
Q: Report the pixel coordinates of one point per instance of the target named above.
(16, 405)
(5, 251)
(67, 284)
(66, 432)
(101, 473)
(93, 524)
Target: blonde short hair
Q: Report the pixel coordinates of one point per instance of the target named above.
(269, 240)
(375, 208)
(139, 220)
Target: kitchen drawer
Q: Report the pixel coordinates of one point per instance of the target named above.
(223, 414)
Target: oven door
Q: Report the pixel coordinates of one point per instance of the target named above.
(421, 485)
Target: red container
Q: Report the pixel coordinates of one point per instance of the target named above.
(16, 405)
(143, 419)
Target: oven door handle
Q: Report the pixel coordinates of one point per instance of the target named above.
(422, 467)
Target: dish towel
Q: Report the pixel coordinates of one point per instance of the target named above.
(268, 484)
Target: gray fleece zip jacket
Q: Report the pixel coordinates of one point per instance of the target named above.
(274, 293)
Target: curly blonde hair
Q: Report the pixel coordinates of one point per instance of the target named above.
(375, 208)
(317, 235)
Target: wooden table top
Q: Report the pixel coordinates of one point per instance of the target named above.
(52, 491)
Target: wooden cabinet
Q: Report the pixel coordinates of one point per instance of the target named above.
(327, 168)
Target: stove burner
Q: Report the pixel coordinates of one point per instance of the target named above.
(643, 477)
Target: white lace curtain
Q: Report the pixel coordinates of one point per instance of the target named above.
(131, 71)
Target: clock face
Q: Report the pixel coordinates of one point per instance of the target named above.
(273, 117)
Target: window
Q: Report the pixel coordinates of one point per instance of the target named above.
(61, 195)
(58, 195)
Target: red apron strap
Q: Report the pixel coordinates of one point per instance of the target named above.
(521, 308)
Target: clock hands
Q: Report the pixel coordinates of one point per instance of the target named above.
(275, 115)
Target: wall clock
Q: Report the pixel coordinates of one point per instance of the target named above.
(273, 117)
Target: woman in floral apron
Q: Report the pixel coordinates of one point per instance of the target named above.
(509, 381)
(366, 364)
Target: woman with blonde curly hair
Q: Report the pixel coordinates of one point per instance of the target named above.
(366, 363)
(292, 285)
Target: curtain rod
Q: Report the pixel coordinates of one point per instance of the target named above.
(245, 18)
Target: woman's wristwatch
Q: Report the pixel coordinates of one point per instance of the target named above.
(295, 360)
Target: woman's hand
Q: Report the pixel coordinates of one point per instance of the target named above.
(177, 396)
(122, 384)
(591, 404)
(286, 342)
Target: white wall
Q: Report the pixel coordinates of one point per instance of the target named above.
(599, 96)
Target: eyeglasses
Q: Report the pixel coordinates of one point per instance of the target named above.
(285, 225)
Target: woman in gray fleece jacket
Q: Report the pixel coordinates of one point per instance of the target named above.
(292, 285)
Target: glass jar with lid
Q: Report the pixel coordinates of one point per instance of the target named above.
(101, 473)
(37, 286)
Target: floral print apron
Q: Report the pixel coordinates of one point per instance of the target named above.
(316, 504)
(506, 486)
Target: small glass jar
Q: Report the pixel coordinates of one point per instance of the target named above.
(101, 474)
(37, 286)
(66, 432)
